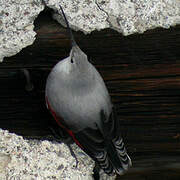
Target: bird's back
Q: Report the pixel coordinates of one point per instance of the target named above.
(77, 97)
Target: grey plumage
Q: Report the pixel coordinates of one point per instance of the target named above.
(78, 97)
(78, 89)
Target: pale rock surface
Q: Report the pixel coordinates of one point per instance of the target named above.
(22, 159)
(125, 16)
(16, 25)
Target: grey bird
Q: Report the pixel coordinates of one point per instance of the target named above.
(80, 103)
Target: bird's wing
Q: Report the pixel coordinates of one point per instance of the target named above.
(62, 124)
(102, 143)
(105, 145)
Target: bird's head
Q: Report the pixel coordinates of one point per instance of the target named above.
(77, 56)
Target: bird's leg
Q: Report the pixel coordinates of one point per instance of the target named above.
(96, 171)
(73, 154)
(62, 137)
(29, 85)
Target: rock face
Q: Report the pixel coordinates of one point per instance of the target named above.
(34, 159)
(31, 159)
(16, 25)
(125, 16)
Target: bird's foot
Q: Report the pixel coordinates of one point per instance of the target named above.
(60, 136)
(73, 154)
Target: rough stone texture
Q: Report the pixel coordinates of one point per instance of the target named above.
(33, 159)
(125, 16)
(4, 161)
(82, 15)
(16, 25)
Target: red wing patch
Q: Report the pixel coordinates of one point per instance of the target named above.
(58, 120)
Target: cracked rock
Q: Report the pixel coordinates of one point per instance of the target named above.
(124, 16)
(16, 25)
(81, 15)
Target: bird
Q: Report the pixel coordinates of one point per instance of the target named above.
(79, 101)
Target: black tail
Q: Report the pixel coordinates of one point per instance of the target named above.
(73, 42)
(116, 151)
(105, 145)
(118, 156)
